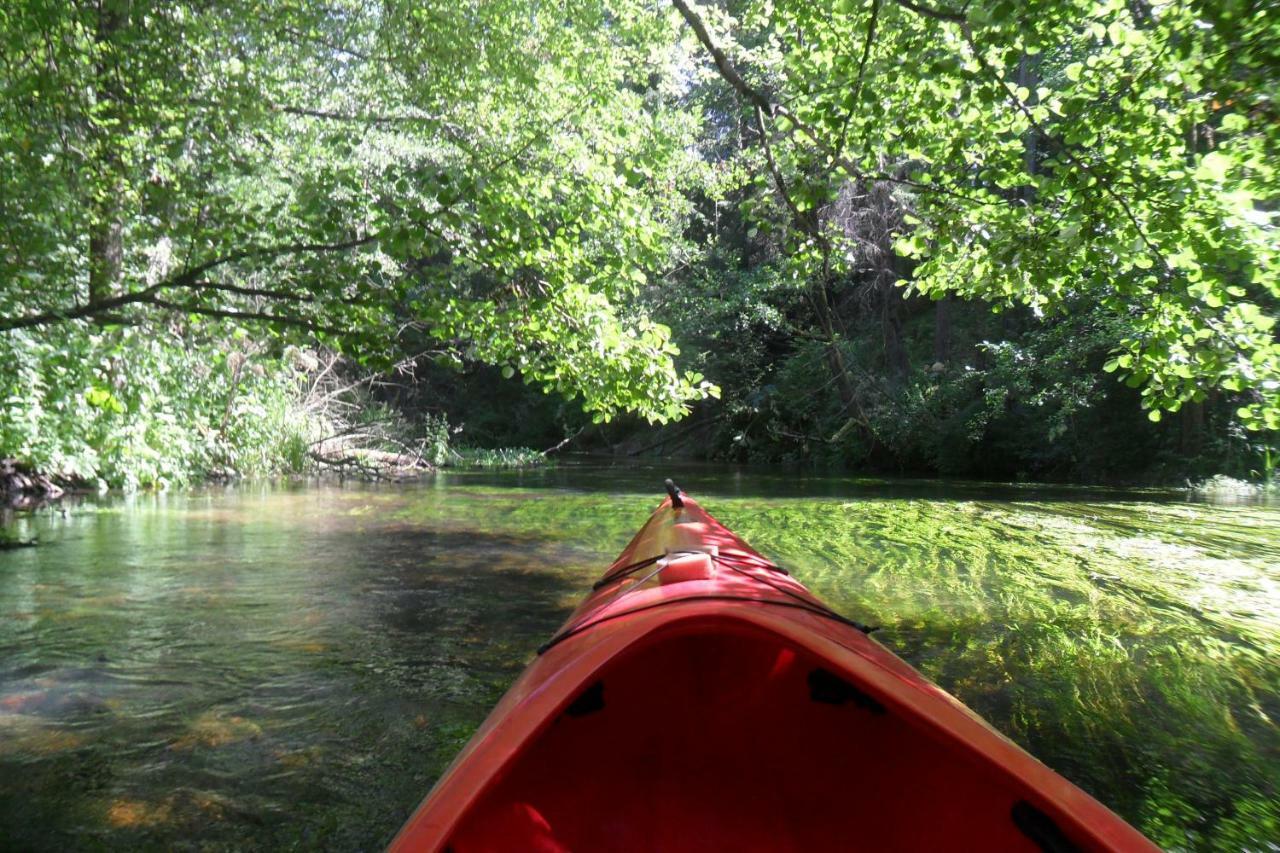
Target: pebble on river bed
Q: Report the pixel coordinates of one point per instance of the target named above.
(124, 813)
(211, 729)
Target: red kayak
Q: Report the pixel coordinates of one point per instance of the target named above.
(701, 699)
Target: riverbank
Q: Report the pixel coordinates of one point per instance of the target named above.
(21, 485)
(21, 488)
(137, 408)
(141, 408)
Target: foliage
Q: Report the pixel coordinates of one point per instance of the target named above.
(503, 457)
(518, 191)
(729, 318)
(1042, 154)
(131, 408)
(1032, 399)
(497, 176)
(128, 408)
(1013, 397)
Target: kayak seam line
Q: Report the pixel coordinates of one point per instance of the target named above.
(817, 611)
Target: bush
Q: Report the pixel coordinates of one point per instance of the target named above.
(144, 407)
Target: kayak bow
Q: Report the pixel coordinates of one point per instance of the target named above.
(701, 698)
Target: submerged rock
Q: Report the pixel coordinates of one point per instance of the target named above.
(212, 729)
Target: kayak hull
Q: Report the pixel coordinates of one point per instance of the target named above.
(706, 700)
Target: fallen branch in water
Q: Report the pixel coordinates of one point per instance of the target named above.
(560, 446)
(371, 464)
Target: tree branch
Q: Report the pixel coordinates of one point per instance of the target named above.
(930, 12)
(862, 70)
(325, 43)
(802, 222)
(775, 110)
(539, 135)
(723, 65)
(1080, 164)
(256, 316)
(279, 295)
(192, 278)
(367, 118)
(268, 252)
(79, 312)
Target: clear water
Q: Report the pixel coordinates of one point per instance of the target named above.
(293, 665)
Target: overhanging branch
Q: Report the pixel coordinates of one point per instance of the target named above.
(931, 12)
(723, 65)
(369, 118)
(777, 111)
(805, 224)
(1080, 164)
(189, 279)
(252, 316)
(872, 19)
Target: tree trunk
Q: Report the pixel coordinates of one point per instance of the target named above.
(835, 358)
(942, 329)
(895, 350)
(106, 254)
(106, 228)
(1192, 439)
(891, 301)
(1029, 78)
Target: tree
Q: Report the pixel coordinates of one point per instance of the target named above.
(1137, 172)
(493, 177)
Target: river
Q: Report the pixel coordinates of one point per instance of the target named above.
(292, 665)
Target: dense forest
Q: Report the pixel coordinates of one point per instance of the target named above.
(992, 239)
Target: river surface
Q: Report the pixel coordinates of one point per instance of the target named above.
(291, 666)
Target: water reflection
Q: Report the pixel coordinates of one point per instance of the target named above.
(273, 666)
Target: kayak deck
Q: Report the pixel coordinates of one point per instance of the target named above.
(717, 735)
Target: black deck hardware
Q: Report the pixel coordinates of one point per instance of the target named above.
(1041, 828)
(576, 629)
(830, 689)
(591, 700)
(674, 491)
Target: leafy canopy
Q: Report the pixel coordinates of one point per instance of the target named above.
(492, 180)
(1046, 152)
(497, 179)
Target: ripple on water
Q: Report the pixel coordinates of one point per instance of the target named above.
(293, 667)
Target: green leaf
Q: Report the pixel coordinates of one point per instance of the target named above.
(1234, 122)
(1214, 166)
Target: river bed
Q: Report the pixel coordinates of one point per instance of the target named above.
(292, 665)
